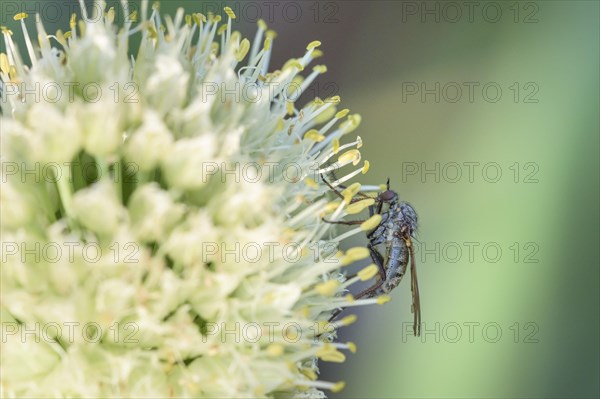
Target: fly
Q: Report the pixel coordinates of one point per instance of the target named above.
(395, 231)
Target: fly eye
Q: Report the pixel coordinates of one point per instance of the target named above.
(387, 195)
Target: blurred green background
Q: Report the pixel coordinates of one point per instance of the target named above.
(485, 117)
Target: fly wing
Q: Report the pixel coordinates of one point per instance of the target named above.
(414, 287)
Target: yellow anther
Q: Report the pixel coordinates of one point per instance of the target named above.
(221, 29)
(4, 65)
(383, 299)
(271, 34)
(357, 253)
(338, 387)
(327, 288)
(351, 123)
(313, 44)
(262, 24)
(199, 18)
(329, 353)
(346, 321)
(242, 50)
(216, 19)
(350, 156)
(368, 272)
(67, 35)
(280, 124)
(110, 15)
(310, 374)
(334, 100)
(318, 102)
(152, 32)
(289, 106)
(188, 19)
(349, 298)
(335, 146)
(350, 191)
(73, 21)
(20, 16)
(359, 206)
(311, 183)
(156, 6)
(325, 116)
(314, 135)
(371, 223)
(296, 64)
(320, 68)
(229, 12)
(365, 168)
(382, 187)
(6, 30)
(317, 53)
(267, 44)
(330, 207)
(359, 142)
(275, 350)
(342, 113)
(12, 73)
(351, 347)
(133, 17)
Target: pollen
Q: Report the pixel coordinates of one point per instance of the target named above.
(357, 253)
(328, 288)
(335, 147)
(262, 25)
(229, 12)
(320, 68)
(352, 189)
(267, 44)
(20, 16)
(73, 21)
(346, 321)
(314, 135)
(351, 347)
(371, 223)
(383, 299)
(313, 44)
(338, 386)
(368, 272)
(365, 168)
(199, 18)
(310, 374)
(359, 206)
(221, 29)
(341, 114)
(242, 50)
(4, 65)
(350, 156)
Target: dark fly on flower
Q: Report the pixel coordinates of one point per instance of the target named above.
(395, 231)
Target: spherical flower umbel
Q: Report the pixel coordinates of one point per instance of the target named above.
(162, 231)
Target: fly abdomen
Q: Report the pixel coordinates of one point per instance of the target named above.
(396, 262)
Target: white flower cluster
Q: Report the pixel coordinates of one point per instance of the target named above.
(137, 260)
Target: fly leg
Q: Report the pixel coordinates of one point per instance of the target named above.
(339, 194)
(378, 260)
(347, 223)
